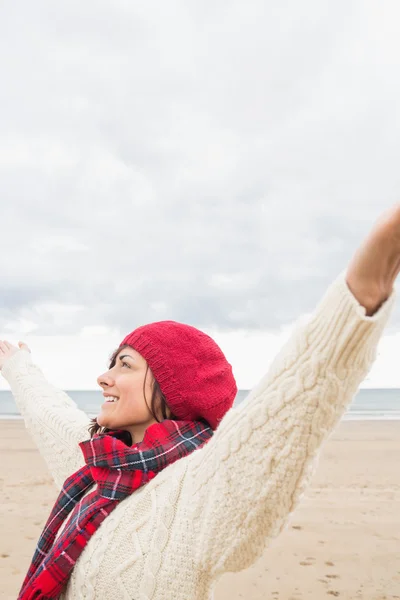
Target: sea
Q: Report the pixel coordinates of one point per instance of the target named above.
(368, 404)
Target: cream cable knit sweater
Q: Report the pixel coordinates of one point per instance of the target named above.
(215, 510)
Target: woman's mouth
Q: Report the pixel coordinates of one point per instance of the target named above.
(111, 399)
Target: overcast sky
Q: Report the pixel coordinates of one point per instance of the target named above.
(211, 162)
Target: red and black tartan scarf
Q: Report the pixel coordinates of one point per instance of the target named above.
(117, 471)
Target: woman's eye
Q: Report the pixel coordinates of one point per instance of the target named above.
(125, 364)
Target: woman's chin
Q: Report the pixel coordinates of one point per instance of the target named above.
(102, 420)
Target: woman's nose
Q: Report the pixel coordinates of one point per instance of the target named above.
(105, 380)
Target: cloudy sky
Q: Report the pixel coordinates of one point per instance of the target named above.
(215, 163)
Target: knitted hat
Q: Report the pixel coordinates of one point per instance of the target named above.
(191, 369)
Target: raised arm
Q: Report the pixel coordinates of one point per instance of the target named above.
(51, 416)
(249, 477)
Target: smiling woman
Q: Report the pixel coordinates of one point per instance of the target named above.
(163, 499)
(126, 382)
(121, 389)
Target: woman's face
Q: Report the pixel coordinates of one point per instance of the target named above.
(125, 406)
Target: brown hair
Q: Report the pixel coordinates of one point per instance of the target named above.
(158, 403)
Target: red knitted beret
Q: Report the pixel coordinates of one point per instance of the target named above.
(191, 369)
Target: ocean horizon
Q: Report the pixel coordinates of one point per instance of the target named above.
(368, 404)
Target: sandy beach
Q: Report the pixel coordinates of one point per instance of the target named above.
(343, 540)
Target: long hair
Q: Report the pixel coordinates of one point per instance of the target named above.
(158, 402)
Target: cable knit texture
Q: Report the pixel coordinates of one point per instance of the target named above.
(217, 509)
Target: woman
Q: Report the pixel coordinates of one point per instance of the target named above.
(170, 493)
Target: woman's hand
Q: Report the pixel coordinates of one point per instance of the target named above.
(376, 264)
(7, 350)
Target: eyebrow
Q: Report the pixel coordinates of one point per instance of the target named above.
(126, 356)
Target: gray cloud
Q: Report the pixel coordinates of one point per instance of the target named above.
(215, 166)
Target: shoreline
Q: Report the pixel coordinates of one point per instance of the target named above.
(349, 417)
(342, 540)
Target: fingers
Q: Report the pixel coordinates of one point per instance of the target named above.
(5, 346)
(24, 346)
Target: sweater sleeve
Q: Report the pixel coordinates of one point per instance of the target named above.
(51, 416)
(245, 482)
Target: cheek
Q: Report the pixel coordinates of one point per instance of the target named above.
(134, 405)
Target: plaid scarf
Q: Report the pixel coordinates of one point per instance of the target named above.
(117, 471)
